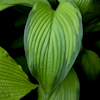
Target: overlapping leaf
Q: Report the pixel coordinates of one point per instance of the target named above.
(68, 90)
(91, 64)
(8, 3)
(14, 83)
(52, 41)
(22, 2)
(4, 6)
(83, 5)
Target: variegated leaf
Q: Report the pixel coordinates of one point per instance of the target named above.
(69, 89)
(52, 41)
(14, 83)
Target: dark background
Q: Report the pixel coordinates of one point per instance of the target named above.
(9, 33)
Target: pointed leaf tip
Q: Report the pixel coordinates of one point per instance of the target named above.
(14, 83)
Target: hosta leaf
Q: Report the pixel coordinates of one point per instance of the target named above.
(4, 6)
(91, 64)
(7, 3)
(92, 13)
(68, 90)
(52, 41)
(14, 83)
(83, 5)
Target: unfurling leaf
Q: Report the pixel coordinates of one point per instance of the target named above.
(69, 89)
(91, 64)
(52, 41)
(14, 83)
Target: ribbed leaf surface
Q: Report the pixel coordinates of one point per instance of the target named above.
(52, 42)
(14, 83)
(69, 89)
(83, 5)
(8, 3)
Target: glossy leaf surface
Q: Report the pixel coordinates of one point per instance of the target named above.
(52, 41)
(14, 83)
(83, 5)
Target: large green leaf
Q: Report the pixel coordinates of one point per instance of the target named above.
(52, 41)
(68, 90)
(91, 64)
(8, 3)
(14, 83)
(83, 5)
(4, 6)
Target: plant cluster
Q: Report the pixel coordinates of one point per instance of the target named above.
(58, 39)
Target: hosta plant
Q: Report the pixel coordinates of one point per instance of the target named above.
(52, 41)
